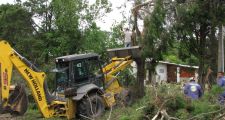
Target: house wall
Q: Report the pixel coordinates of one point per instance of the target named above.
(187, 73)
(161, 70)
(172, 73)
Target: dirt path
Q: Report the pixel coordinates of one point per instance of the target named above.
(7, 117)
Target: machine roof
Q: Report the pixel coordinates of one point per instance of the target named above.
(76, 57)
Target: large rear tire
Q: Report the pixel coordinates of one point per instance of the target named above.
(92, 106)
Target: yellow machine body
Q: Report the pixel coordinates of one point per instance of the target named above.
(111, 80)
(10, 59)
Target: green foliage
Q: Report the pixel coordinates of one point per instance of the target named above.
(149, 111)
(117, 35)
(177, 105)
(173, 54)
(182, 114)
(195, 27)
(154, 32)
(97, 41)
(127, 77)
(125, 118)
(147, 107)
(64, 25)
(15, 23)
(59, 28)
(16, 26)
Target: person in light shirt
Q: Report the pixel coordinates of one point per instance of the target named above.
(193, 90)
(127, 37)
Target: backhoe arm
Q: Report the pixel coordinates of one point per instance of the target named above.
(112, 70)
(9, 58)
(117, 64)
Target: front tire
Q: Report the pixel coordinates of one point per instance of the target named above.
(91, 106)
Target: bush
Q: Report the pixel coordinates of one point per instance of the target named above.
(182, 114)
(175, 104)
(149, 111)
(125, 118)
(170, 97)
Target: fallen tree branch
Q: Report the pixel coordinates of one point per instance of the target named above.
(110, 113)
(165, 114)
(213, 112)
(218, 117)
(156, 116)
(86, 117)
(137, 7)
(160, 109)
(164, 103)
(140, 108)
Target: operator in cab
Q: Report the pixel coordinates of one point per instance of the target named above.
(193, 90)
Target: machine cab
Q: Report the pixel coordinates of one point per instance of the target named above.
(77, 70)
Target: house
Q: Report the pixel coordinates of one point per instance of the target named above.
(174, 73)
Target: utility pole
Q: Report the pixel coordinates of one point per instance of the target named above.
(221, 50)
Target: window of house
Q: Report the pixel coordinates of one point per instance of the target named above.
(161, 70)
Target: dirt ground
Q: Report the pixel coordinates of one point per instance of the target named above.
(29, 115)
(7, 117)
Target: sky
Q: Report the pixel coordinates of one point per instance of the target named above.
(116, 15)
(113, 17)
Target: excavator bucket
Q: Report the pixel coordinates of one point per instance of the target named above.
(18, 101)
(134, 52)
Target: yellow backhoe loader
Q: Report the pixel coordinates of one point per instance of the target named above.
(87, 87)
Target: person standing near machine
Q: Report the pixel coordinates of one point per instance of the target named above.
(127, 37)
(193, 89)
(221, 83)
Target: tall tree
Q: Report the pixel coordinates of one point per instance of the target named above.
(16, 23)
(62, 23)
(196, 26)
(155, 37)
(98, 41)
(16, 27)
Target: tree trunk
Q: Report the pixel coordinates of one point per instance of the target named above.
(201, 72)
(140, 61)
(46, 54)
(202, 54)
(220, 50)
(213, 55)
(149, 77)
(140, 77)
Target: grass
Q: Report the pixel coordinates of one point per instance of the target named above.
(119, 112)
(169, 95)
(132, 112)
(34, 114)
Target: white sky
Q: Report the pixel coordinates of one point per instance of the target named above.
(111, 18)
(117, 14)
(7, 1)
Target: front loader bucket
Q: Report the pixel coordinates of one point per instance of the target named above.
(134, 52)
(18, 101)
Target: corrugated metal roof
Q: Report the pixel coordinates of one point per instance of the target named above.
(170, 63)
(181, 65)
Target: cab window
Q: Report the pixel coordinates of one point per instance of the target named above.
(80, 71)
